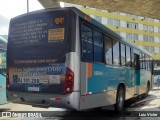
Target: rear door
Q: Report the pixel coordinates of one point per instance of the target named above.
(137, 72)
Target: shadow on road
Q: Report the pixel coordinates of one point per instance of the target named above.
(96, 115)
(4, 110)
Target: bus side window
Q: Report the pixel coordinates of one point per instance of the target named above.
(146, 59)
(128, 56)
(144, 62)
(87, 45)
(141, 61)
(108, 50)
(123, 56)
(116, 56)
(150, 63)
(98, 46)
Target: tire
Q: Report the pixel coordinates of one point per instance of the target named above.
(148, 89)
(120, 99)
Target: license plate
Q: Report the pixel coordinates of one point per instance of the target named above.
(28, 80)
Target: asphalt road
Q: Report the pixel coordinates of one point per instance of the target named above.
(149, 106)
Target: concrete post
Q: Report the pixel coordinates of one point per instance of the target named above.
(50, 3)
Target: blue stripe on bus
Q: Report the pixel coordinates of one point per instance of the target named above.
(106, 77)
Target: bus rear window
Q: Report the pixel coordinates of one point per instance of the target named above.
(35, 28)
(37, 38)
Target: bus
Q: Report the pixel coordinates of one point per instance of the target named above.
(3, 48)
(63, 58)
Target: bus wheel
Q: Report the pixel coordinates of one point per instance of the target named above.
(148, 89)
(119, 99)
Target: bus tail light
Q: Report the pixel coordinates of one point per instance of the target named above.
(69, 81)
(7, 78)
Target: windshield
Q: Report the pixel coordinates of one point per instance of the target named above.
(3, 63)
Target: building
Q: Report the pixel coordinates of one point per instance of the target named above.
(5, 37)
(145, 32)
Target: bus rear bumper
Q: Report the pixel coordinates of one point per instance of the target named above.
(69, 101)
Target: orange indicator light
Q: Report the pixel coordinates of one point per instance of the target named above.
(59, 20)
(88, 19)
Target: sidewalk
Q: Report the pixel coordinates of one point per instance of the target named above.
(150, 103)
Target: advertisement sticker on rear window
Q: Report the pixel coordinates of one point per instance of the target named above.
(55, 34)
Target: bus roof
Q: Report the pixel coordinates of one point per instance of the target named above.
(93, 21)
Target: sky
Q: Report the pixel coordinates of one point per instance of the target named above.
(12, 8)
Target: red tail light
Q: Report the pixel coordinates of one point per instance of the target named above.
(7, 78)
(69, 81)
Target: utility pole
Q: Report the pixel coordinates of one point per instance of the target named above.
(27, 6)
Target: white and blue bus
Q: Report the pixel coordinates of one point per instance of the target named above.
(3, 48)
(64, 58)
